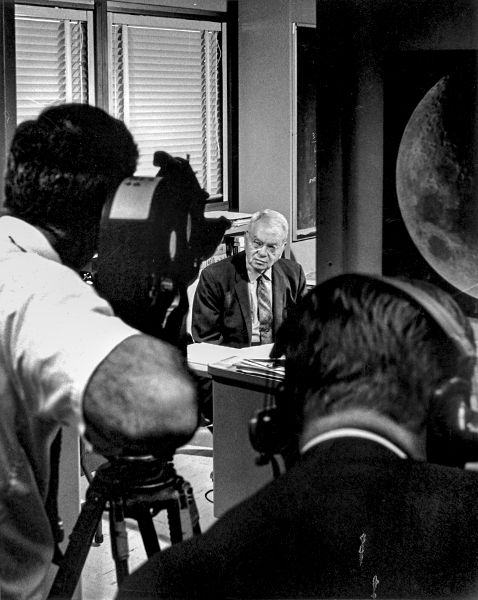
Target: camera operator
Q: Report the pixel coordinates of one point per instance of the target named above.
(363, 513)
(65, 359)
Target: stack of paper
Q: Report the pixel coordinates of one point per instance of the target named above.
(201, 355)
(264, 367)
(255, 359)
(236, 218)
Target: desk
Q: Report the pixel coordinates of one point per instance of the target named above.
(236, 396)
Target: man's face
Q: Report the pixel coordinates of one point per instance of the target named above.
(265, 243)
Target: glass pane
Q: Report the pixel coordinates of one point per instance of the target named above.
(79, 62)
(166, 88)
(51, 64)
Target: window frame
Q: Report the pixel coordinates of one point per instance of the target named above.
(98, 67)
(179, 22)
(8, 105)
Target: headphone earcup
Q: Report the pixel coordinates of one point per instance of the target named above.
(271, 434)
(448, 440)
(266, 431)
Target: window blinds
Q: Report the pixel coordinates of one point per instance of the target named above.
(165, 80)
(51, 63)
(167, 88)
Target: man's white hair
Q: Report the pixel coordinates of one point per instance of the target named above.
(272, 217)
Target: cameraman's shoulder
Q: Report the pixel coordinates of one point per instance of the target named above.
(29, 269)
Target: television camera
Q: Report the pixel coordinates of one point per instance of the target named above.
(153, 237)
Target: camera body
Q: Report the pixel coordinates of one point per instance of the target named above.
(153, 238)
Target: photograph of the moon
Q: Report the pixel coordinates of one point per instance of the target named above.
(436, 181)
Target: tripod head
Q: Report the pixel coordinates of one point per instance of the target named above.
(140, 472)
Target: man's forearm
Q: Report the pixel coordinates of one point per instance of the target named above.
(141, 399)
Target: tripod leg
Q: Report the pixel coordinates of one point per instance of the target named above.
(147, 530)
(174, 520)
(193, 509)
(99, 535)
(78, 547)
(183, 514)
(188, 511)
(119, 540)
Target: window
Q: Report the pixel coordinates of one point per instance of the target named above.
(167, 86)
(165, 80)
(52, 55)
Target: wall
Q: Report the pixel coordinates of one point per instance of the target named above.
(209, 5)
(355, 37)
(7, 85)
(265, 108)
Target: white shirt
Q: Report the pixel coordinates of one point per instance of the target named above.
(54, 331)
(353, 432)
(252, 286)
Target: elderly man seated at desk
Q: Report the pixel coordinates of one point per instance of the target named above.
(242, 300)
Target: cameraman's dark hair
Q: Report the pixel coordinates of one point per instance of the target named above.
(62, 165)
(360, 345)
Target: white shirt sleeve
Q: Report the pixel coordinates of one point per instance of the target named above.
(57, 333)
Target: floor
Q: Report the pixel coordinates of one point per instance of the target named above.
(194, 463)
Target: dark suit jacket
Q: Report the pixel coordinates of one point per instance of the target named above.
(349, 514)
(221, 308)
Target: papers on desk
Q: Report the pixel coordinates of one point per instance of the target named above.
(201, 355)
(264, 367)
(237, 218)
(263, 351)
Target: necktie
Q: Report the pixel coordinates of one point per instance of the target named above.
(264, 311)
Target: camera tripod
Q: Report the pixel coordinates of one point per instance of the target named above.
(128, 487)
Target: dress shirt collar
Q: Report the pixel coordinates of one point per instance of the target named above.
(356, 433)
(26, 237)
(253, 275)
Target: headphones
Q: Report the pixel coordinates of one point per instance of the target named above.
(452, 436)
